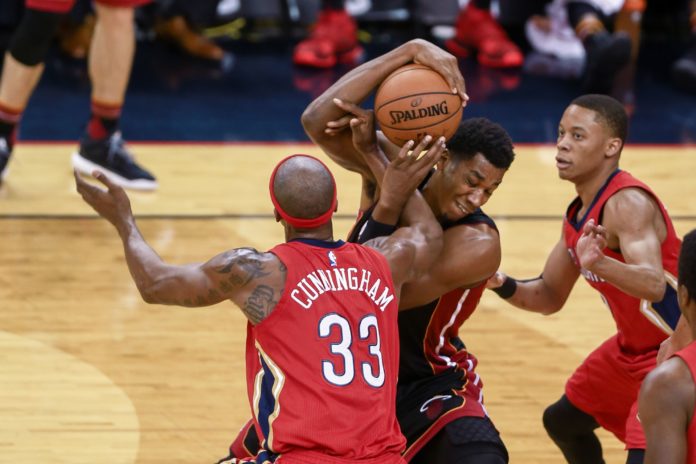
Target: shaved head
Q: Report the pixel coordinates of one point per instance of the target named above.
(303, 187)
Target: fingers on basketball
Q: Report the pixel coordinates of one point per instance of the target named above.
(415, 101)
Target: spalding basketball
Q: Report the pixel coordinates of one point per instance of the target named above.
(415, 101)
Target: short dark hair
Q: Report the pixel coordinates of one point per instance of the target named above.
(687, 264)
(610, 111)
(480, 135)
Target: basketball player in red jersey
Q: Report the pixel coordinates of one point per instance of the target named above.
(619, 237)
(439, 395)
(110, 59)
(667, 399)
(326, 393)
(439, 399)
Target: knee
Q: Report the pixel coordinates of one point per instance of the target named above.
(553, 420)
(114, 16)
(33, 36)
(562, 420)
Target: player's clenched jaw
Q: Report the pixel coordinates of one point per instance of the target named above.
(458, 188)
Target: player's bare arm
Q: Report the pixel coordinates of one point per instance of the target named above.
(634, 226)
(357, 85)
(548, 293)
(665, 407)
(470, 255)
(252, 280)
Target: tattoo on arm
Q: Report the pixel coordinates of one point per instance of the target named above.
(241, 268)
(238, 268)
(260, 303)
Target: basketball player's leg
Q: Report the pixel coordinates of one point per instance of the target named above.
(110, 61)
(573, 432)
(607, 400)
(466, 440)
(23, 67)
(111, 53)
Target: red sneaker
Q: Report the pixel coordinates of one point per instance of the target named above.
(333, 40)
(478, 30)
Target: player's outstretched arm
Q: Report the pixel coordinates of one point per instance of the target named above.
(250, 279)
(546, 294)
(357, 85)
(665, 408)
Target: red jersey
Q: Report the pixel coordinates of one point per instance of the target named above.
(688, 355)
(322, 367)
(642, 325)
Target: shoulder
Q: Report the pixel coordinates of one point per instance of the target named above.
(669, 385)
(245, 255)
(390, 246)
(243, 265)
(630, 200)
(629, 207)
(471, 251)
(477, 234)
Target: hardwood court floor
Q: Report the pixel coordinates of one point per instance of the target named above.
(89, 373)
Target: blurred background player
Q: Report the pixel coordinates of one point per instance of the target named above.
(110, 61)
(619, 237)
(478, 31)
(332, 40)
(684, 69)
(668, 394)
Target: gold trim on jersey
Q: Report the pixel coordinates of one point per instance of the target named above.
(653, 316)
(278, 383)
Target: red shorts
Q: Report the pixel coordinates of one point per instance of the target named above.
(63, 6)
(606, 386)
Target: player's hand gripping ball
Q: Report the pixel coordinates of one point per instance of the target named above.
(415, 101)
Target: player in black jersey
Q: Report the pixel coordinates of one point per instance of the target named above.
(439, 398)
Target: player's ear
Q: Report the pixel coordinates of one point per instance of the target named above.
(277, 216)
(614, 145)
(336, 208)
(683, 296)
(444, 159)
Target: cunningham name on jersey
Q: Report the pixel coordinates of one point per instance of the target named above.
(339, 279)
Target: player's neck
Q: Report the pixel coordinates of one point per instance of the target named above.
(324, 233)
(588, 187)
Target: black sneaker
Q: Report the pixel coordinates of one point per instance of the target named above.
(5, 153)
(111, 157)
(607, 54)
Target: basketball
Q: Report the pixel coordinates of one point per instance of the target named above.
(415, 101)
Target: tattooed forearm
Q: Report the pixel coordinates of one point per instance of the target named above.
(260, 303)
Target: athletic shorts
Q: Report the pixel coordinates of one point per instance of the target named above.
(606, 386)
(246, 444)
(64, 6)
(426, 406)
(464, 440)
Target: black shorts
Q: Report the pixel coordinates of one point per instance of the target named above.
(438, 413)
(465, 440)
